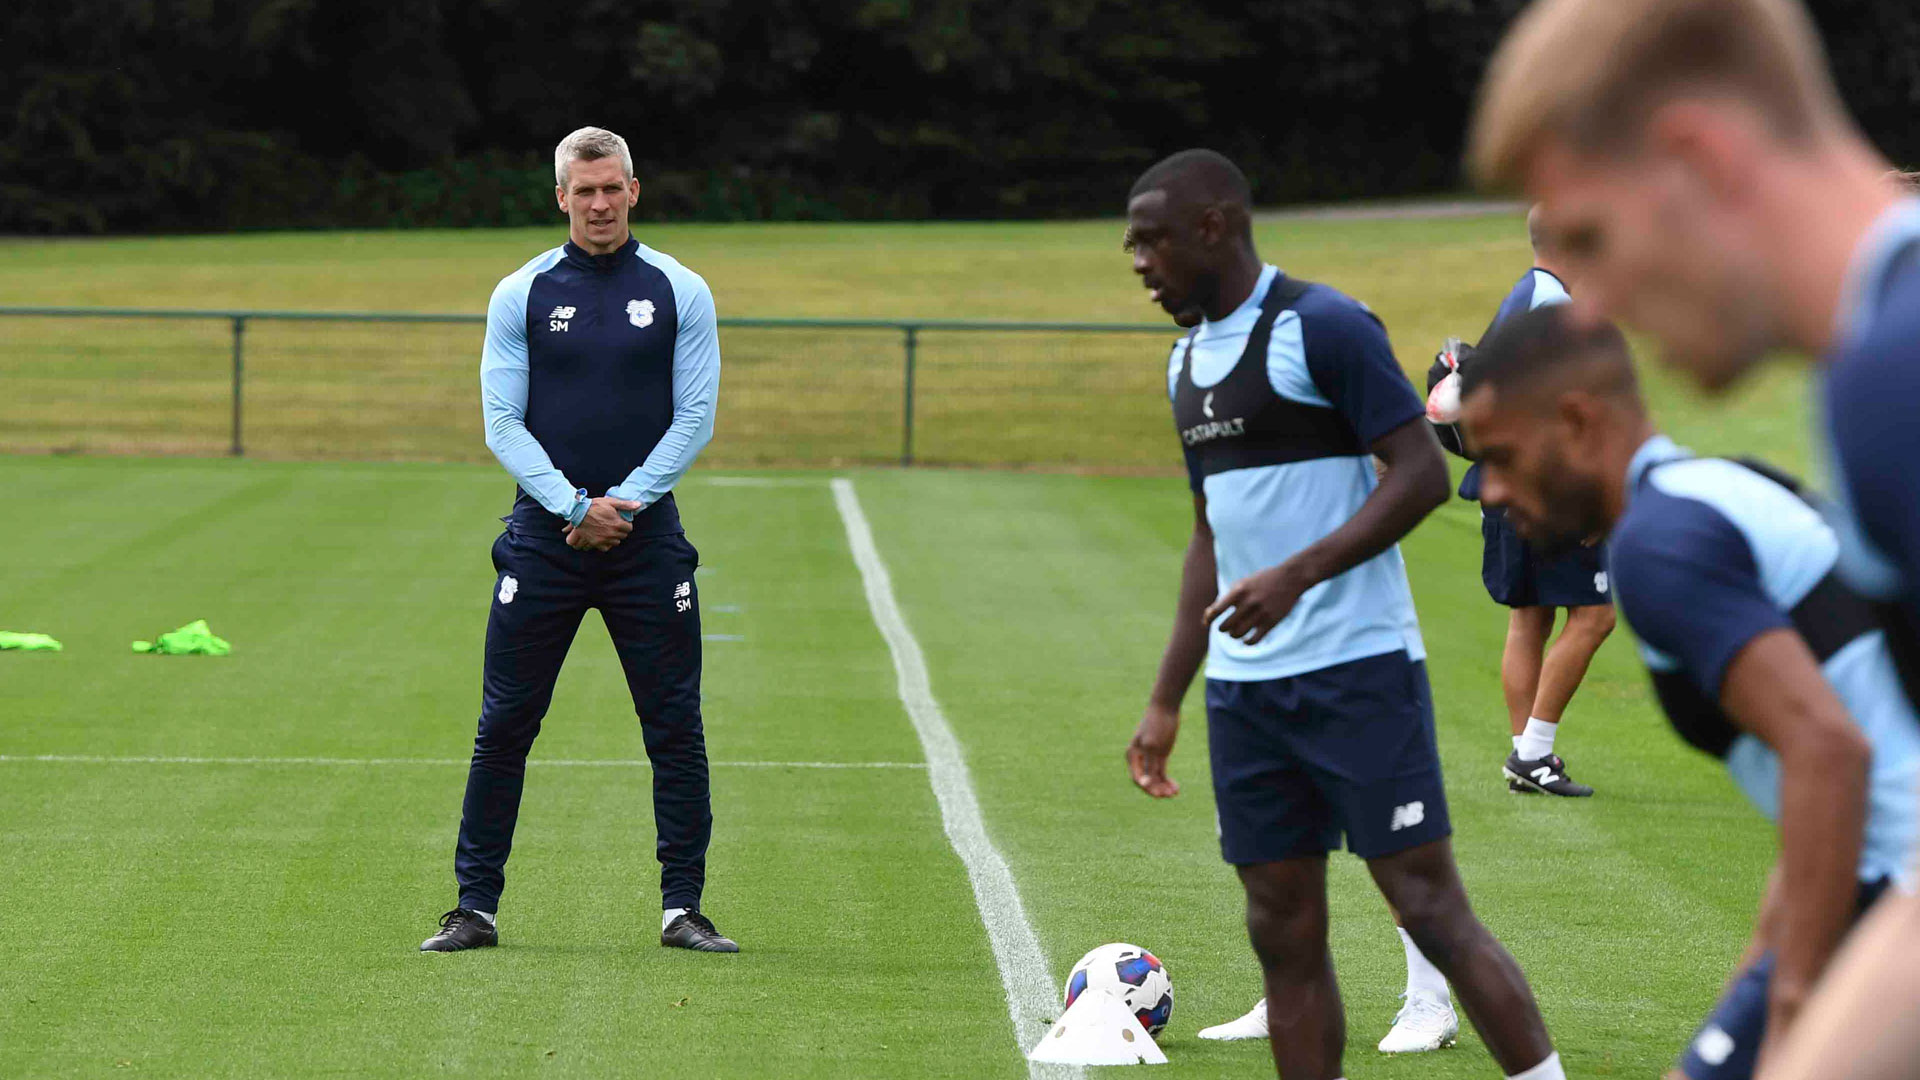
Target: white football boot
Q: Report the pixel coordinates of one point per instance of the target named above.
(1251, 1026)
(1423, 1023)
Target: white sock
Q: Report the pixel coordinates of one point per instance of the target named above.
(672, 913)
(1547, 1070)
(1537, 741)
(487, 915)
(1422, 977)
(1516, 744)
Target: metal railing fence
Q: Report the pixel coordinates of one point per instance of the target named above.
(389, 386)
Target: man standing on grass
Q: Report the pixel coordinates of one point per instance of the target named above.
(1538, 681)
(1698, 164)
(1759, 654)
(1293, 592)
(599, 376)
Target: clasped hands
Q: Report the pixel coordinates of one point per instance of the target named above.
(603, 528)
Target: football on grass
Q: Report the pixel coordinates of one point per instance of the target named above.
(1131, 974)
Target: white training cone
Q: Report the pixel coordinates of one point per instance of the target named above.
(1098, 1030)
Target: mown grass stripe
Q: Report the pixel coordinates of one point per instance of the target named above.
(1016, 949)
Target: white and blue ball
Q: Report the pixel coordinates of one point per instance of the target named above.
(1132, 975)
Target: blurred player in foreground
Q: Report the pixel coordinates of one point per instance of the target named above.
(1293, 592)
(1760, 655)
(1538, 681)
(1710, 189)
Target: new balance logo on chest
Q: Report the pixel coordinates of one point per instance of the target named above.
(558, 319)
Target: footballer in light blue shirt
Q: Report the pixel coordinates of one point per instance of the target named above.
(1539, 673)
(1294, 596)
(1721, 202)
(1761, 654)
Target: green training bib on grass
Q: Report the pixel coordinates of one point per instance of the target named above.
(193, 639)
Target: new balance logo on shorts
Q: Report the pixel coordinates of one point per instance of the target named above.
(1406, 817)
(683, 596)
(509, 585)
(1714, 1045)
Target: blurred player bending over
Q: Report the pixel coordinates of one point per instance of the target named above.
(1319, 718)
(1711, 190)
(1760, 655)
(1535, 586)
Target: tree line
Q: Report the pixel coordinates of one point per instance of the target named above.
(176, 115)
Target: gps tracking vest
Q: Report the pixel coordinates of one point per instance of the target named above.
(1240, 422)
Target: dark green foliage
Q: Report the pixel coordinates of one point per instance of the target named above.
(208, 114)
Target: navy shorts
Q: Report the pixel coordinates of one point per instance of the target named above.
(1346, 750)
(1726, 1045)
(1517, 577)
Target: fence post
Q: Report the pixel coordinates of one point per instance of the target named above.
(906, 408)
(239, 331)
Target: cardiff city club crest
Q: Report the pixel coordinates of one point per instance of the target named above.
(640, 312)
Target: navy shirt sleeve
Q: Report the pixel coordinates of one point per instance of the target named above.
(1870, 394)
(1688, 585)
(1352, 365)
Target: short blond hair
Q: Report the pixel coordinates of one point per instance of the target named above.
(589, 144)
(1591, 73)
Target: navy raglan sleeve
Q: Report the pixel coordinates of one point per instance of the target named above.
(1688, 585)
(1352, 365)
(1876, 441)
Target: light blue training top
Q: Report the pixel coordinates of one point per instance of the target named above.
(1328, 351)
(1710, 555)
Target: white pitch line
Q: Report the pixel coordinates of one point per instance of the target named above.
(1023, 966)
(574, 763)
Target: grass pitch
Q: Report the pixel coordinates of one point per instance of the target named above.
(259, 919)
(189, 919)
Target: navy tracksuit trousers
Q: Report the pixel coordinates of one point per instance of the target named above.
(645, 593)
